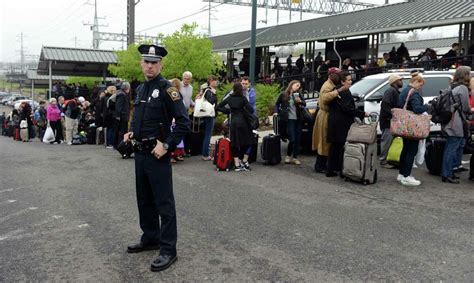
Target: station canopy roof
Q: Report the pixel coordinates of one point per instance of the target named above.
(75, 61)
(388, 18)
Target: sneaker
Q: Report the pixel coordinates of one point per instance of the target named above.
(296, 162)
(410, 181)
(414, 165)
(69, 143)
(239, 168)
(110, 147)
(247, 166)
(287, 159)
(386, 165)
(399, 177)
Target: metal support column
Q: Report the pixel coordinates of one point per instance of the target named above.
(50, 78)
(230, 63)
(253, 39)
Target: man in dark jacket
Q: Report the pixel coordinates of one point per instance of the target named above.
(300, 64)
(122, 111)
(449, 58)
(389, 101)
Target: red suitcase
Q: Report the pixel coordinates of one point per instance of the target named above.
(224, 160)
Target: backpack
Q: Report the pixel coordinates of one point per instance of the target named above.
(442, 107)
(39, 118)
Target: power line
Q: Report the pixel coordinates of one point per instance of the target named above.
(177, 20)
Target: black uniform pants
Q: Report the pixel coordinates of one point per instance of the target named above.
(155, 199)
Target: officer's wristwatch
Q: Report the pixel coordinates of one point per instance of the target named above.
(165, 146)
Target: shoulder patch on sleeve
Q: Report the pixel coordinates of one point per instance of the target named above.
(173, 93)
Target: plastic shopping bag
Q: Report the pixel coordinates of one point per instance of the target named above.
(49, 135)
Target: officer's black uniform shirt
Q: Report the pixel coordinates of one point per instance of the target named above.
(156, 104)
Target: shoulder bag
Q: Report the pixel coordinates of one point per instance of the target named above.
(406, 124)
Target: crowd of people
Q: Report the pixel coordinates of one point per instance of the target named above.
(107, 118)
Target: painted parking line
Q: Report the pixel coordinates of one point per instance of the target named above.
(8, 201)
(18, 213)
(21, 230)
(38, 234)
(14, 189)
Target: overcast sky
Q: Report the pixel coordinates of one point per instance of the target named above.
(61, 22)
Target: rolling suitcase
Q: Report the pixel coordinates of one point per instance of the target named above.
(254, 149)
(434, 154)
(271, 150)
(91, 135)
(194, 140)
(24, 134)
(360, 162)
(224, 159)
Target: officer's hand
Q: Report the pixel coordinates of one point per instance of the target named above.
(127, 137)
(159, 151)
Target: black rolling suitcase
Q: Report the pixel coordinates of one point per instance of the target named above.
(434, 154)
(194, 140)
(254, 150)
(271, 150)
(91, 135)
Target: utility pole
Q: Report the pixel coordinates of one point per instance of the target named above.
(22, 51)
(131, 21)
(95, 27)
(253, 37)
(209, 21)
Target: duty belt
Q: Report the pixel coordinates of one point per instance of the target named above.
(145, 145)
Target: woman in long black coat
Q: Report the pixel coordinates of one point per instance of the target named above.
(241, 136)
(342, 112)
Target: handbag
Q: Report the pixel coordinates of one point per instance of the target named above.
(394, 151)
(203, 108)
(406, 124)
(252, 119)
(49, 136)
(360, 132)
(23, 124)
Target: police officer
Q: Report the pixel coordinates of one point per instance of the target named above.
(156, 104)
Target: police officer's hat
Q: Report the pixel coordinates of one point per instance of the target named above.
(152, 53)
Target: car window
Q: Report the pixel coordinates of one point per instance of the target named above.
(380, 92)
(365, 86)
(433, 85)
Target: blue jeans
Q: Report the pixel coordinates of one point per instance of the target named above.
(459, 153)
(208, 127)
(110, 136)
(407, 157)
(450, 158)
(294, 136)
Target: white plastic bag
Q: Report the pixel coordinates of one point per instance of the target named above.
(420, 155)
(49, 135)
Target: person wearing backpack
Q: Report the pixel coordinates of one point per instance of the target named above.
(71, 114)
(40, 119)
(455, 129)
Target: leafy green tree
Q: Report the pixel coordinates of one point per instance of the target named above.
(189, 51)
(89, 81)
(128, 65)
